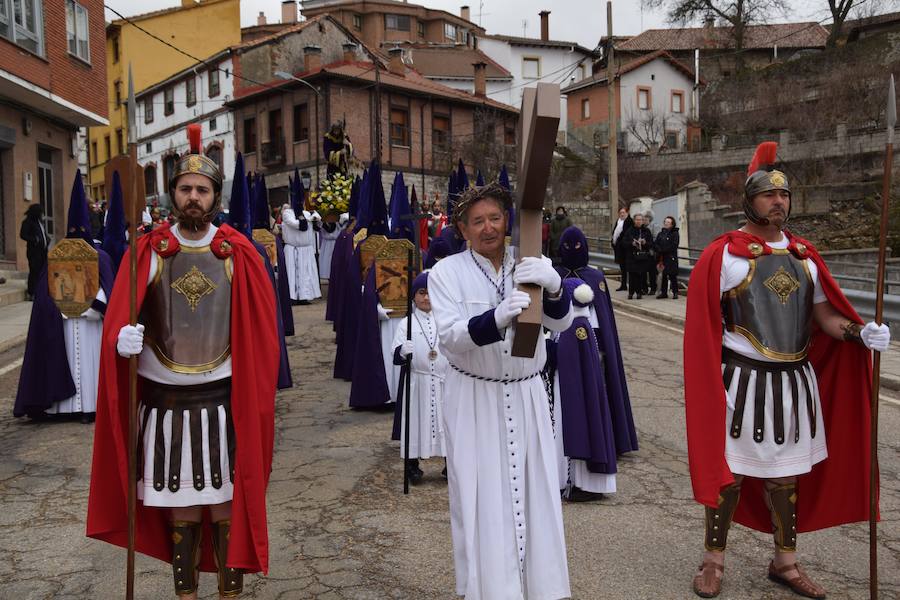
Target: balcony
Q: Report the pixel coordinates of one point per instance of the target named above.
(273, 153)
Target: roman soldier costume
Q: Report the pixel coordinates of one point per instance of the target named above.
(764, 385)
(206, 399)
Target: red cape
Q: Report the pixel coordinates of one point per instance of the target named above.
(836, 491)
(254, 356)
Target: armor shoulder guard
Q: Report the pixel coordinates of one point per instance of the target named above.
(163, 241)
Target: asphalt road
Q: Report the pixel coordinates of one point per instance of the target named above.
(340, 526)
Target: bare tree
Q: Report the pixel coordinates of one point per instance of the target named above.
(648, 129)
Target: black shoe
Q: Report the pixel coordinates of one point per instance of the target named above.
(675, 296)
(579, 495)
(88, 418)
(631, 296)
(662, 296)
(304, 302)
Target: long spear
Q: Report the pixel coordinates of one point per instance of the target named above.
(891, 118)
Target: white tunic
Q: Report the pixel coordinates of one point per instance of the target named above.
(327, 240)
(426, 389)
(83, 338)
(300, 257)
(388, 330)
(505, 513)
(767, 459)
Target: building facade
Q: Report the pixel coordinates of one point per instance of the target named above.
(196, 94)
(52, 73)
(130, 41)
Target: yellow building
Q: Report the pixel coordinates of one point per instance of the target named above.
(198, 27)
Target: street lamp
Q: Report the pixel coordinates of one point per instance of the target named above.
(288, 77)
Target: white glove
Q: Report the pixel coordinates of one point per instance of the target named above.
(131, 340)
(92, 315)
(315, 216)
(384, 312)
(307, 215)
(876, 337)
(406, 348)
(538, 271)
(510, 308)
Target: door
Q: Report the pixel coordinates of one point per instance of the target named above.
(45, 189)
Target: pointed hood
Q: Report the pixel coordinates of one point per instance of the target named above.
(401, 225)
(239, 206)
(479, 178)
(462, 179)
(573, 248)
(372, 209)
(114, 241)
(260, 205)
(78, 222)
(452, 193)
(296, 193)
(353, 207)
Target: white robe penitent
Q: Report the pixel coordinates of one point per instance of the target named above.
(327, 240)
(83, 339)
(300, 257)
(505, 512)
(426, 389)
(387, 329)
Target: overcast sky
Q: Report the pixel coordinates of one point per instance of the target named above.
(582, 21)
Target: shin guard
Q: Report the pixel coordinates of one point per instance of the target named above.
(718, 520)
(231, 581)
(783, 504)
(185, 556)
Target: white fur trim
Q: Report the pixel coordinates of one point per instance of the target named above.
(584, 294)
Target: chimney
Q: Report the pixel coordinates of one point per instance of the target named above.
(480, 79)
(289, 11)
(545, 25)
(312, 58)
(261, 19)
(396, 65)
(349, 52)
(464, 13)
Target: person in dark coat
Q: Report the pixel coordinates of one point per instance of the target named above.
(638, 241)
(623, 224)
(37, 242)
(666, 246)
(558, 224)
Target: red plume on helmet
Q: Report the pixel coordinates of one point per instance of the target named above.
(763, 157)
(194, 134)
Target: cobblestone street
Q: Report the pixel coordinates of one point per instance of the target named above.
(340, 527)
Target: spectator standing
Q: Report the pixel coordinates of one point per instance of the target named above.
(666, 246)
(623, 224)
(638, 241)
(36, 244)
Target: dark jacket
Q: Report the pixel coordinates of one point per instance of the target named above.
(666, 246)
(557, 226)
(638, 243)
(619, 249)
(35, 240)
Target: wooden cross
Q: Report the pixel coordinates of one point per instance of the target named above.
(538, 124)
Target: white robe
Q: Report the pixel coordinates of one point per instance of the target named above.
(426, 389)
(83, 339)
(300, 257)
(388, 329)
(327, 240)
(505, 512)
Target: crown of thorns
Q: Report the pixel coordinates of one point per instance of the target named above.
(467, 199)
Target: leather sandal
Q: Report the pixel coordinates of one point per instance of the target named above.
(706, 583)
(800, 584)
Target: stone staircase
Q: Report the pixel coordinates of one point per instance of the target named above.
(13, 290)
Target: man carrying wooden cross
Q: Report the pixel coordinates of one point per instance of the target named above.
(505, 511)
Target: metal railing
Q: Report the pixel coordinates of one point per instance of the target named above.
(863, 302)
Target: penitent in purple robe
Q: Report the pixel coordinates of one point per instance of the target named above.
(369, 388)
(347, 317)
(284, 291)
(343, 249)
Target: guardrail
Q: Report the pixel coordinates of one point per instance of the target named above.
(863, 302)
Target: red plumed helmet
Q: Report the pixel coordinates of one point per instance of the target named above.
(194, 134)
(763, 157)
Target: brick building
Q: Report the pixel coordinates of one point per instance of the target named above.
(52, 81)
(423, 125)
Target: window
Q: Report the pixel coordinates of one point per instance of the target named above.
(115, 48)
(94, 153)
(150, 180)
(169, 163)
(672, 140)
(399, 127)
(276, 126)
(117, 86)
(148, 148)
(531, 68)
(249, 135)
(396, 22)
(107, 146)
(450, 31)
(169, 101)
(581, 72)
(213, 83)
(148, 110)
(77, 30)
(585, 108)
(25, 28)
(509, 135)
(677, 102)
(420, 28)
(190, 90)
(213, 124)
(214, 153)
(301, 122)
(120, 141)
(357, 22)
(440, 126)
(643, 98)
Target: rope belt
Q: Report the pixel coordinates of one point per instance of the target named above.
(493, 380)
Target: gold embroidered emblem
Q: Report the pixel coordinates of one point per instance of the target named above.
(581, 333)
(193, 285)
(176, 537)
(801, 248)
(602, 286)
(777, 178)
(195, 165)
(755, 249)
(225, 246)
(163, 245)
(783, 284)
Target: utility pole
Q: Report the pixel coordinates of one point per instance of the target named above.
(613, 117)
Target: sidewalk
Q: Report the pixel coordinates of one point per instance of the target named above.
(672, 311)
